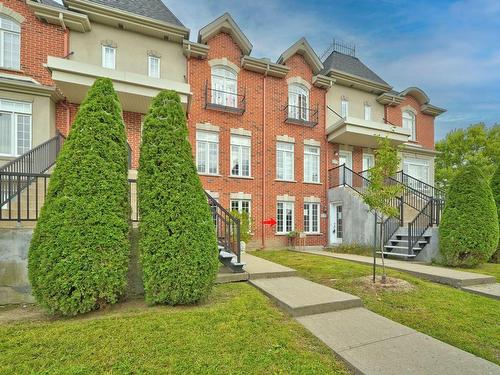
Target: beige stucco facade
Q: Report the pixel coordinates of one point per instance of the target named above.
(357, 99)
(132, 50)
(42, 120)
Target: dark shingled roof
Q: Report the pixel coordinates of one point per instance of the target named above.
(351, 65)
(155, 9)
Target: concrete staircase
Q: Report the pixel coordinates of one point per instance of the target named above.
(398, 245)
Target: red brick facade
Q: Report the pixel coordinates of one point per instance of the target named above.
(38, 40)
(266, 98)
(424, 123)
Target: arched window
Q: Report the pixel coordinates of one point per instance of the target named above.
(10, 46)
(224, 86)
(409, 123)
(298, 102)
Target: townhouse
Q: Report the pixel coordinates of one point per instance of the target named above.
(268, 137)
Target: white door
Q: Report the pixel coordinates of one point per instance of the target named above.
(336, 224)
(419, 169)
(345, 157)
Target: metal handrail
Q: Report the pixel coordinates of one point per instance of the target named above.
(418, 226)
(210, 102)
(435, 192)
(306, 115)
(227, 227)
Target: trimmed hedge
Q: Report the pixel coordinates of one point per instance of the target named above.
(177, 243)
(468, 234)
(78, 258)
(495, 188)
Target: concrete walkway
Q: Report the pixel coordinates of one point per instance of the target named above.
(468, 281)
(367, 342)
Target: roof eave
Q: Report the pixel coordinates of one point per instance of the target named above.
(302, 47)
(60, 16)
(264, 66)
(352, 80)
(226, 23)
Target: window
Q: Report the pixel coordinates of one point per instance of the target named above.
(344, 108)
(417, 168)
(10, 45)
(108, 57)
(15, 127)
(154, 66)
(409, 123)
(240, 156)
(368, 161)
(311, 217)
(298, 102)
(368, 112)
(284, 161)
(311, 164)
(224, 86)
(240, 205)
(207, 152)
(285, 217)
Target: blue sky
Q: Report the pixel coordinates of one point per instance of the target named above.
(450, 49)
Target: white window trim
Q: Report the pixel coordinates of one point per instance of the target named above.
(367, 112)
(346, 102)
(150, 58)
(293, 161)
(15, 126)
(2, 46)
(298, 110)
(310, 218)
(103, 56)
(240, 170)
(285, 203)
(221, 96)
(240, 201)
(413, 118)
(318, 155)
(207, 172)
(369, 155)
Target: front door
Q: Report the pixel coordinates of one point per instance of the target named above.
(345, 157)
(336, 224)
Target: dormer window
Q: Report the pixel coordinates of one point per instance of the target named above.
(344, 107)
(10, 46)
(224, 86)
(108, 57)
(298, 102)
(409, 123)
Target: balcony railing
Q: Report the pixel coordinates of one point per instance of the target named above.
(224, 100)
(300, 115)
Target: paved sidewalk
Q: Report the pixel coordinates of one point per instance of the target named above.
(367, 342)
(468, 281)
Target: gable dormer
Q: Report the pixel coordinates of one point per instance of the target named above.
(303, 48)
(225, 24)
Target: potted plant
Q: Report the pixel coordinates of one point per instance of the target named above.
(245, 230)
(292, 238)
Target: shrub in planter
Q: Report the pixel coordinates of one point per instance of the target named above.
(78, 256)
(178, 245)
(468, 234)
(245, 230)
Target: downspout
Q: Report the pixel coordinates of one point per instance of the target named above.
(263, 228)
(327, 164)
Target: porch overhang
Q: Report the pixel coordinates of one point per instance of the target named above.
(364, 133)
(135, 91)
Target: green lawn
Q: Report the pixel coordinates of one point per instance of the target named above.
(465, 320)
(492, 269)
(237, 331)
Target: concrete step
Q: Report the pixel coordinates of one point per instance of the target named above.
(391, 247)
(401, 255)
(299, 297)
(486, 290)
(259, 268)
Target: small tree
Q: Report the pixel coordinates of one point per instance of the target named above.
(78, 257)
(495, 188)
(177, 236)
(468, 234)
(381, 191)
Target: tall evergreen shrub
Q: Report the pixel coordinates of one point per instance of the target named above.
(495, 188)
(468, 233)
(79, 252)
(177, 235)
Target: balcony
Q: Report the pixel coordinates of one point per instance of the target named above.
(224, 101)
(300, 115)
(358, 132)
(135, 91)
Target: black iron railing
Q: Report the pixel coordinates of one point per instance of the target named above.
(227, 228)
(418, 226)
(419, 185)
(300, 115)
(393, 223)
(16, 175)
(224, 100)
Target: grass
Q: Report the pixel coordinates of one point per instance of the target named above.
(355, 249)
(236, 331)
(467, 321)
(492, 269)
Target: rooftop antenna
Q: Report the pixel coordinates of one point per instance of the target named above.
(344, 48)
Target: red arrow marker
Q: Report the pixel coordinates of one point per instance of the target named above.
(270, 221)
